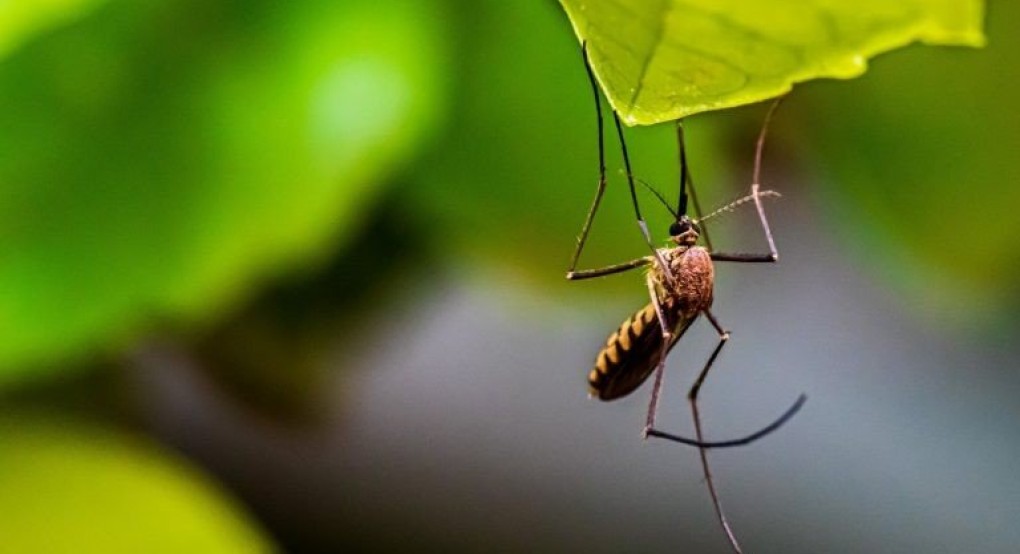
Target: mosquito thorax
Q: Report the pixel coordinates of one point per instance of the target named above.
(684, 232)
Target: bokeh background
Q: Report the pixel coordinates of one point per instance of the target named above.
(289, 277)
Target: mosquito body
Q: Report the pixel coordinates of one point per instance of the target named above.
(634, 350)
(680, 281)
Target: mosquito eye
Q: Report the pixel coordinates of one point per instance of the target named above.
(676, 229)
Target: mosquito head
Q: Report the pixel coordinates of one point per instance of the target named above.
(684, 232)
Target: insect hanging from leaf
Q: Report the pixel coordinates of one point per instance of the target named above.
(680, 280)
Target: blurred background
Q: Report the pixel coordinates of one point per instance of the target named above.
(289, 277)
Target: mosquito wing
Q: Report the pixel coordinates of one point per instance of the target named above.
(631, 353)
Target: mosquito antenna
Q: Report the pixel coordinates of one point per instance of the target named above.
(662, 199)
(736, 203)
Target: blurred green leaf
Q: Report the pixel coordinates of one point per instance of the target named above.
(917, 166)
(65, 487)
(157, 159)
(21, 19)
(660, 60)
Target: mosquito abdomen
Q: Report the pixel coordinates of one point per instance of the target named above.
(630, 355)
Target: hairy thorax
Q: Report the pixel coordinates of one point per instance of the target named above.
(693, 276)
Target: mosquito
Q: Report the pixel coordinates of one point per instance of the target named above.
(680, 281)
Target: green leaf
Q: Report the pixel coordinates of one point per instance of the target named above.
(22, 19)
(660, 60)
(149, 174)
(65, 487)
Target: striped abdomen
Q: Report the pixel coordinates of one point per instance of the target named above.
(631, 354)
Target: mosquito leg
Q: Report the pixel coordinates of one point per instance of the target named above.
(660, 367)
(633, 197)
(697, 212)
(668, 339)
(743, 441)
(772, 256)
(700, 442)
(681, 149)
(756, 180)
(724, 336)
(608, 270)
(601, 189)
(756, 194)
(764, 221)
(745, 258)
(687, 183)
